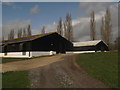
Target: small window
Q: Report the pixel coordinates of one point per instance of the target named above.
(24, 53)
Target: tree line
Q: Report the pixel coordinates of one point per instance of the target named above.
(105, 29)
(64, 27)
(22, 32)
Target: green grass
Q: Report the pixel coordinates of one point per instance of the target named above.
(103, 66)
(18, 79)
(5, 60)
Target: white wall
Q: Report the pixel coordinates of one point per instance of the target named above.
(32, 54)
(69, 52)
(1, 54)
(81, 52)
(36, 54)
(41, 53)
(84, 52)
(15, 55)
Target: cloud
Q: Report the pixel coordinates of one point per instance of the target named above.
(82, 28)
(50, 28)
(35, 31)
(95, 6)
(61, 0)
(35, 9)
(15, 24)
(10, 4)
(0, 32)
(96, 1)
(7, 3)
(81, 25)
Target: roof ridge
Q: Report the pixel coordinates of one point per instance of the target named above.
(28, 36)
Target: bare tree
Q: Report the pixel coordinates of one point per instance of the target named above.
(11, 34)
(108, 27)
(102, 29)
(19, 34)
(59, 27)
(65, 30)
(8, 36)
(29, 30)
(43, 30)
(68, 28)
(24, 33)
(92, 26)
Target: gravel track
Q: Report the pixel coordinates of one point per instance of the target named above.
(59, 71)
(63, 74)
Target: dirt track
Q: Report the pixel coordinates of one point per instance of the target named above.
(30, 64)
(60, 71)
(63, 74)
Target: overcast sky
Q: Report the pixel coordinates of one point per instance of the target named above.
(19, 14)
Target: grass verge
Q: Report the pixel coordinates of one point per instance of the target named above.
(18, 79)
(102, 65)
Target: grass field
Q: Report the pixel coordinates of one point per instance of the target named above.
(102, 65)
(18, 79)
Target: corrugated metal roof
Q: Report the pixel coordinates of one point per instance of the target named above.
(23, 39)
(87, 43)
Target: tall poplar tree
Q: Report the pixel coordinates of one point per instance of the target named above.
(24, 32)
(59, 27)
(29, 33)
(43, 30)
(106, 27)
(19, 34)
(68, 28)
(92, 26)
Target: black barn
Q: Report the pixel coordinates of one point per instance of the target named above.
(42, 42)
(96, 45)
